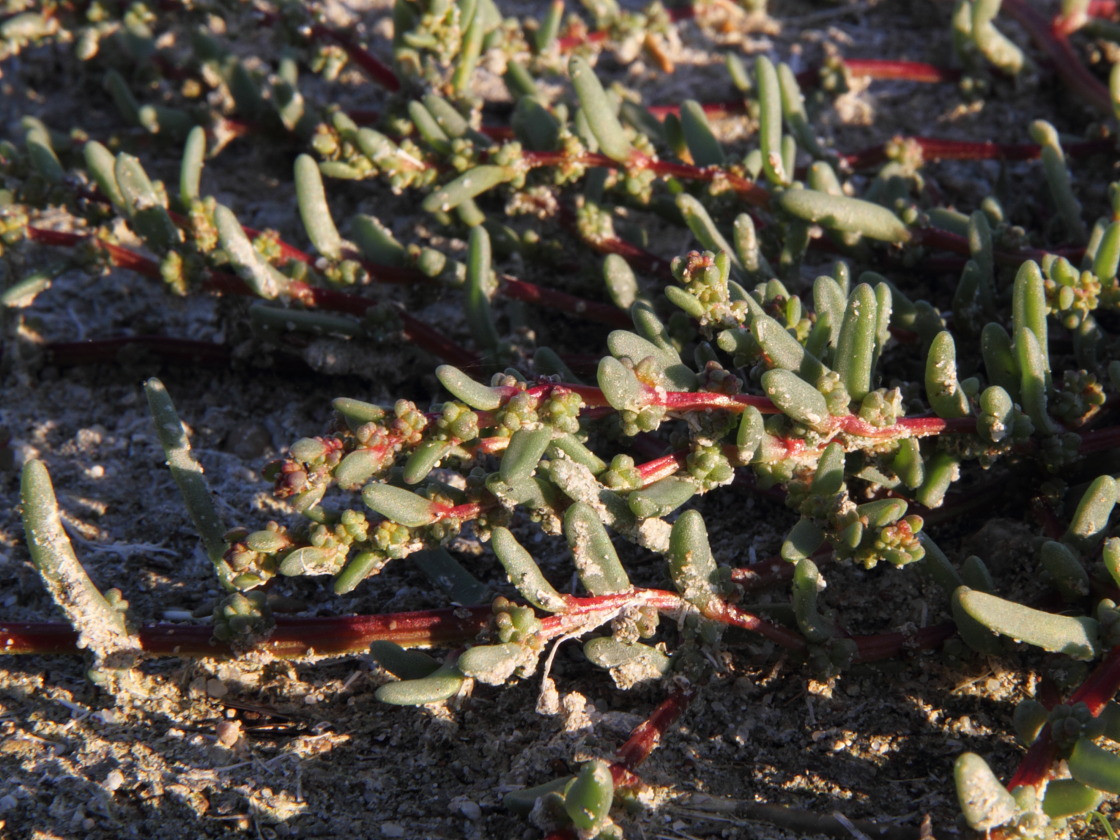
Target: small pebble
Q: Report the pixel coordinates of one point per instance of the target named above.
(114, 780)
(249, 442)
(392, 829)
(216, 688)
(228, 732)
(467, 807)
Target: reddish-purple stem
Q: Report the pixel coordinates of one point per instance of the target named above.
(183, 351)
(292, 637)
(647, 734)
(1055, 42)
(1096, 692)
(936, 148)
(377, 70)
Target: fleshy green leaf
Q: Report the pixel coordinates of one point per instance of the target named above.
(797, 399)
(1074, 636)
(841, 213)
(599, 110)
(985, 802)
(400, 506)
(524, 573)
(598, 565)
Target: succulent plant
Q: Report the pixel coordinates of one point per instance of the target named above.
(840, 336)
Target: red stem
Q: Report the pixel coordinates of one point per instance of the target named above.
(1099, 440)
(910, 71)
(647, 734)
(1096, 692)
(748, 189)
(937, 148)
(605, 313)
(377, 70)
(175, 350)
(292, 637)
(1050, 38)
(415, 330)
(886, 645)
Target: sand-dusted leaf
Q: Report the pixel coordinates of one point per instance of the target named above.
(100, 627)
(524, 573)
(691, 564)
(985, 802)
(796, 398)
(492, 664)
(597, 562)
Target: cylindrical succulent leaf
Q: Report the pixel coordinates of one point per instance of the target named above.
(473, 393)
(1095, 766)
(620, 386)
(844, 214)
(479, 270)
(524, 573)
(472, 183)
(314, 210)
(400, 506)
(985, 802)
(629, 663)
(190, 170)
(1065, 569)
(440, 685)
(401, 663)
(420, 463)
(691, 564)
(1068, 798)
(188, 475)
(943, 390)
(974, 632)
(599, 111)
(797, 399)
(855, 345)
(702, 143)
(1075, 636)
(1090, 520)
(770, 121)
(1033, 379)
(100, 627)
(525, 450)
(588, 797)
(250, 266)
(807, 583)
(661, 498)
(597, 563)
(492, 664)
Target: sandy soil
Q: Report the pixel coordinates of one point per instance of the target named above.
(182, 758)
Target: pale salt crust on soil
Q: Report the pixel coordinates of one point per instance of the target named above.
(876, 743)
